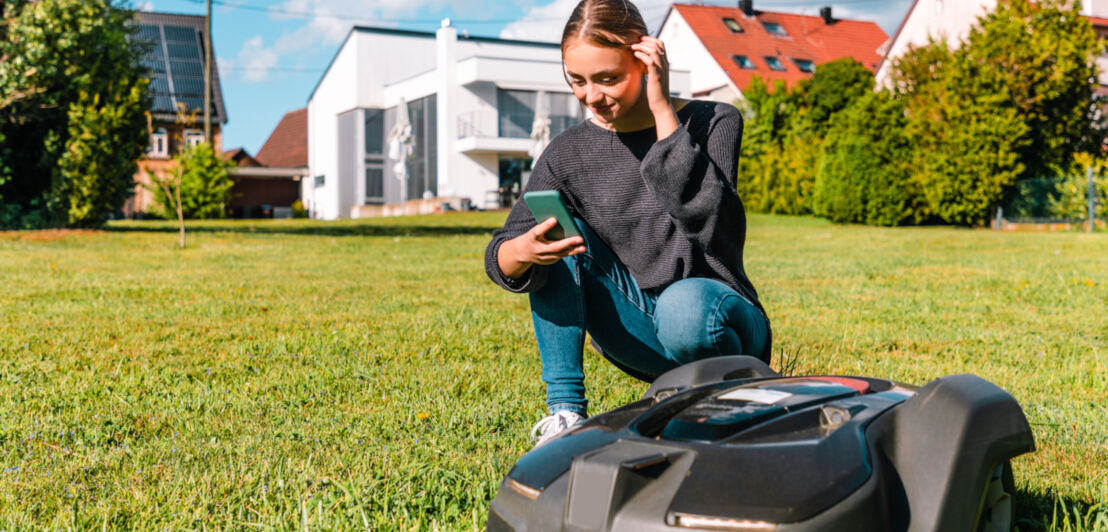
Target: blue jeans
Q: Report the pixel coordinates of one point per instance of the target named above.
(643, 332)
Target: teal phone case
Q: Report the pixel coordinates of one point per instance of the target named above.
(547, 204)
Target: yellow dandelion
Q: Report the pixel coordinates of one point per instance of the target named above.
(422, 415)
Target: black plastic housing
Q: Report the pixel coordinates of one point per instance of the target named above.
(727, 444)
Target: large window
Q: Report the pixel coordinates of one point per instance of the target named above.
(564, 112)
(517, 112)
(422, 167)
(374, 156)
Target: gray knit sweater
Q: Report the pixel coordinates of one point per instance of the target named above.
(668, 209)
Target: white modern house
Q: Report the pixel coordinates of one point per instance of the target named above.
(951, 20)
(472, 103)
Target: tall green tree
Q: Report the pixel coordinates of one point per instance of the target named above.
(863, 172)
(1014, 101)
(72, 112)
(784, 132)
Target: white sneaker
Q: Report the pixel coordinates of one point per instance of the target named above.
(554, 425)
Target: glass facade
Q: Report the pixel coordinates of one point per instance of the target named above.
(517, 112)
(374, 156)
(565, 112)
(422, 165)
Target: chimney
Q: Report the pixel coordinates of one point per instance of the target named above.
(825, 12)
(747, 6)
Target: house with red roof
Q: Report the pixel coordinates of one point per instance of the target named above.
(724, 48)
(266, 185)
(952, 20)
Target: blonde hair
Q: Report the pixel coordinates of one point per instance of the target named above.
(611, 23)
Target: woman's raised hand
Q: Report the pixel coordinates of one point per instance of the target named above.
(652, 52)
(517, 255)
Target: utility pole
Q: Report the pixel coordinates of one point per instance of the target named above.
(208, 79)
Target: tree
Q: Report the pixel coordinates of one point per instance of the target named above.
(72, 102)
(863, 173)
(784, 132)
(205, 182)
(967, 134)
(1015, 101)
(1072, 198)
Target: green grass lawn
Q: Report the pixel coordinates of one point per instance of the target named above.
(367, 374)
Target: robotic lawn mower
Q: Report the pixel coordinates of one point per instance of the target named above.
(729, 444)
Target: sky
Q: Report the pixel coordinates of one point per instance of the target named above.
(271, 53)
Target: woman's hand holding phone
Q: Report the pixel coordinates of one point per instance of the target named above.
(517, 255)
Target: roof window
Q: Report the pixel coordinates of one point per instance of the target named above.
(775, 28)
(743, 62)
(804, 65)
(774, 63)
(733, 25)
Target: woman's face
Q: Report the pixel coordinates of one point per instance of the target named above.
(606, 80)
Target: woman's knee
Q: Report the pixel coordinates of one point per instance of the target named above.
(687, 320)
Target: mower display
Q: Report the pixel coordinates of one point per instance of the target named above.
(728, 444)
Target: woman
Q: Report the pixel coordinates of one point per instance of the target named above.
(657, 278)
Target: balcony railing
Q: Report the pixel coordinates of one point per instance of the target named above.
(508, 125)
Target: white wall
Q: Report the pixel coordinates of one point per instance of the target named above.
(333, 96)
(949, 19)
(687, 52)
(376, 69)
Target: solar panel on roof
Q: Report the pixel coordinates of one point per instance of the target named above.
(180, 34)
(180, 76)
(163, 104)
(159, 84)
(149, 32)
(186, 68)
(183, 51)
(188, 85)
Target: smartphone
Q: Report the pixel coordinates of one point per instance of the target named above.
(547, 204)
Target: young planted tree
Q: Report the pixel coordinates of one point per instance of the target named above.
(198, 186)
(72, 98)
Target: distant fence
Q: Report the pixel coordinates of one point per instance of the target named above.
(1052, 203)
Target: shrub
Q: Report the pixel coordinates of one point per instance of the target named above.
(72, 112)
(863, 176)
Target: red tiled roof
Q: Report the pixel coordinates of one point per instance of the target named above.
(240, 157)
(808, 38)
(287, 146)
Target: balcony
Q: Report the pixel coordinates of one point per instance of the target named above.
(508, 133)
(533, 73)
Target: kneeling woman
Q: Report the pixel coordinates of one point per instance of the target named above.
(657, 279)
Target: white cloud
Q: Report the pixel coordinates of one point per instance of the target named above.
(545, 22)
(146, 6)
(226, 67)
(254, 60)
